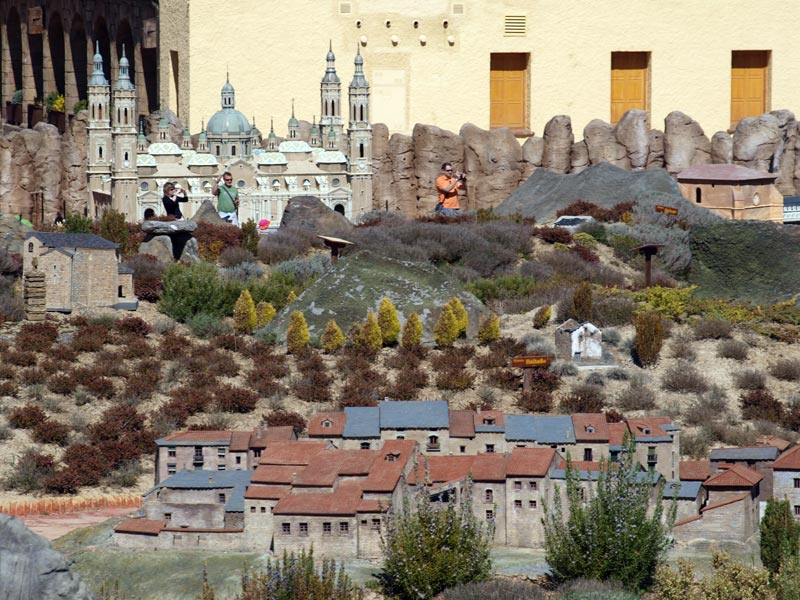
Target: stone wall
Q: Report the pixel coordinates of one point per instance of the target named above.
(784, 488)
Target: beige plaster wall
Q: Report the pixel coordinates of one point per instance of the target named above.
(570, 45)
(173, 42)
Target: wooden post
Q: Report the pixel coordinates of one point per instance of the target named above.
(336, 245)
(648, 251)
(528, 364)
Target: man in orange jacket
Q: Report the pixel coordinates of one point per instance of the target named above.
(448, 184)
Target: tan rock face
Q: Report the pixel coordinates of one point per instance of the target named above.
(755, 141)
(783, 161)
(400, 153)
(632, 133)
(432, 147)
(685, 143)
(579, 157)
(493, 163)
(382, 196)
(602, 145)
(532, 152)
(721, 148)
(558, 140)
(655, 152)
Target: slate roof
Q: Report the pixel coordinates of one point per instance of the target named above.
(734, 476)
(592, 475)
(682, 490)
(362, 422)
(788, 461)
(745, 453)
(72, 240)
(237, 481)
(123, 270)
(520, 428)
(554, 429)
(400, 414)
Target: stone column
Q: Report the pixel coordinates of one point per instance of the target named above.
(71, 94)
(34, 296)
(142, 107)
(28, 79)
(7, 87)
(48, 73)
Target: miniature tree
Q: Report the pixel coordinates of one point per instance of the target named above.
(389, 322)
(445, 332)
(780, 535)
(265, 312)
(250, 236)
(244, 313)
(332, 338)
(542, 316)
(412, 332)
(370, 338)
(582, 302)
(489, 329)
(291, 297)
(460, 313)
(297, 336)
(649, 328)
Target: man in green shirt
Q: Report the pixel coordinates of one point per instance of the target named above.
(227, 198)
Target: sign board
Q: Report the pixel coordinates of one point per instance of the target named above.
(667, 210)
(526, 362)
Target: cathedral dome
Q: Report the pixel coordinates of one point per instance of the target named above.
(228, 121)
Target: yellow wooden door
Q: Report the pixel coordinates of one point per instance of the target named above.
(748, 84)
(628, 82)
(508, 90)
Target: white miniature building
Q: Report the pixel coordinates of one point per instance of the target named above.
(576, 341)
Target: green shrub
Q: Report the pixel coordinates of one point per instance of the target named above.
(445, 332)
(734, 349)
(114, 228)
(297, 336)
(461, 316)
(332, 338)
(250, 236)
(684, 377)
(584, 239)
(780, 535)
(712, 329)
(412, 332)
(265, 312)
(489, 328)
(542, 316)
(370, 338)
(77, 223)
(582, 299)
(649, 328)
(617, 533)
(432, 546)
(389, 322)
(670, 302)
(190, 290)
(205, 325)
(244, 313)
(28, 471)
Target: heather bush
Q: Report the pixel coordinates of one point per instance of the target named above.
(235, 255)
(90, 338)
(595, 378)
(114, 228)
(285, 244)
(246, 273)
(61, 352)
(553, 235)
(583, 398)
(134, 326)
(572, 267)
(759, 403)
(62, 383)
(734, 349)
(591, 589)
(495, 589)
(364, 389)
(431, 546)
(305, 270)
(50, 431)
(584, 253)
(230, 398)
(283, 418)
(28, 471)
(313, 386)
(621, 532)
(712, 329)
(25, 417)
(455, 379)
(536, 400)
(10, 263)
(505, 379)
(750, 379)
(786, 369)
(88, 461)
(115, 422)
(7, 371)
(207, 326)
(649, 328)
(213, 238)
(684, 377)
(62, 481)
(232, 342)
(564, 368)
(8, 388)
(36, 337)
(147, 274)
(125, 475)
(407, 384)
(32, 376)
(542, 316)
(489, 328)
(20, 358)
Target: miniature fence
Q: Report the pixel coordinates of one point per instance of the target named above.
(22, 508)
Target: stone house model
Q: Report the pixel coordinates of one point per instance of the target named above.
(579, 342)
(82, 270)
(733, 191)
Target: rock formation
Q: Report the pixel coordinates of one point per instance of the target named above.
(721, 148)
(493, 163)
(30, 568)
(602, 145)
(632, 133)
(685, 143)
(432, 147)
(170, 240)
(308, 212)
(558, 140)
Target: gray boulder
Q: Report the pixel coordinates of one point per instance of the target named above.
(632, 133)
(532, 152)
(721, 148)
(403, 193)
(603, 146)
(685, 143)
(30, 568)
(168, 227)
(159, 246)
(207, 213)
(382, 197)
(755, 142)
(578, 157)
(191, 251)
(558, 140)
(12, 233)
(432, 147)
(493, 163)
(308, 212)
(784, 158)
(655, 153)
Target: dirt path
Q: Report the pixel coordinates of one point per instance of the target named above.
(55, 525)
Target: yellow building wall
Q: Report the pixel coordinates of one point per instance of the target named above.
(275, 51)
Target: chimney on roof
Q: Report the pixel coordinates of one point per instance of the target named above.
(294, 477)
(210, 480)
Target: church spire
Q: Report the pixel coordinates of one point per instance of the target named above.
(98, 77)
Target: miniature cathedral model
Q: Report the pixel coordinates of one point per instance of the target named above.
(127, 173)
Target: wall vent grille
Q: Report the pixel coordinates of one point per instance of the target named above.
(515, 26)
(344, 8)
(458, 9)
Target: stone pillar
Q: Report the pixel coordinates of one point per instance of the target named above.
(48, 73)
(142, 107)
(71, 95)
(34, 295)
(28, 78)
(7, 78)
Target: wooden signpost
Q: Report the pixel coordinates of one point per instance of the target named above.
(527, 364)
(667, 210)
(335, 244)
(648, 251)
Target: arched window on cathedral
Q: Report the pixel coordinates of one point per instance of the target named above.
(125, 113)
(361, 109)
(276, 185)
(100, 111)
(118, 116)
(306, 185)
(125, 157)
(333, 107)
(361, 150)
(93, 113)
(99, 152)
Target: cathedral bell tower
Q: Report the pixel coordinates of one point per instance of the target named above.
(359, 159)
(99, 130)
(124, 179)
(330, 90)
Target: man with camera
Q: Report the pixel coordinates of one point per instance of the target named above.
(227, 198)
(448, 184)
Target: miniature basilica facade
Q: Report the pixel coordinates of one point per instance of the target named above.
(127, 173)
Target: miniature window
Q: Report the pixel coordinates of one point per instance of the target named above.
(263, 509)
(326, 529)
(238, 460)
(532, 504)
(220, 451)
(365, 445)
(171, 451)
(257, 453)
(797, 510)
(517, 485)
(168, 516)
(171, 469)
(326, 423)
(517, 503)
(391, 457)
(462, 449)
(276, 185)
(335, 181)
(233, 150)
(286, 528)
(399, 436)
(217, 150)
(797, 483)
(587, 454)
(647, 431)
(30, 246)
(490, 448)
(306, 184)
(240, 183)
(144, 186)
(698, 195)
(303, 528)
(220, 467)
(590, 429)
(488, 421)
(376, 525)
(221, 498)
(488, 496)
(532, 485)
(120, 293)
(489, 515)
(252, 509)
(344, 527)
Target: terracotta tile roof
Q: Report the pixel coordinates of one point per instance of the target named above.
(442, 468)
(529, 462)
(616, 433)
(291, 453)
(724, 173)
(280, 433)
(773, 440)
(590, 427)
(275, 473)
(788, 461)
(146, 526)
(582, 465)
(480, 418)
(385, 474)
(462, 424)
(240, 441)
(734, 476)
(267, 492)
(489, 467)
(689, 520)
(653, 424)
(325, 467)
(725, 502)
(199, 436)
(694, 470)
(372, 506)
(337, 421)
(344, 500)
(206, 529)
